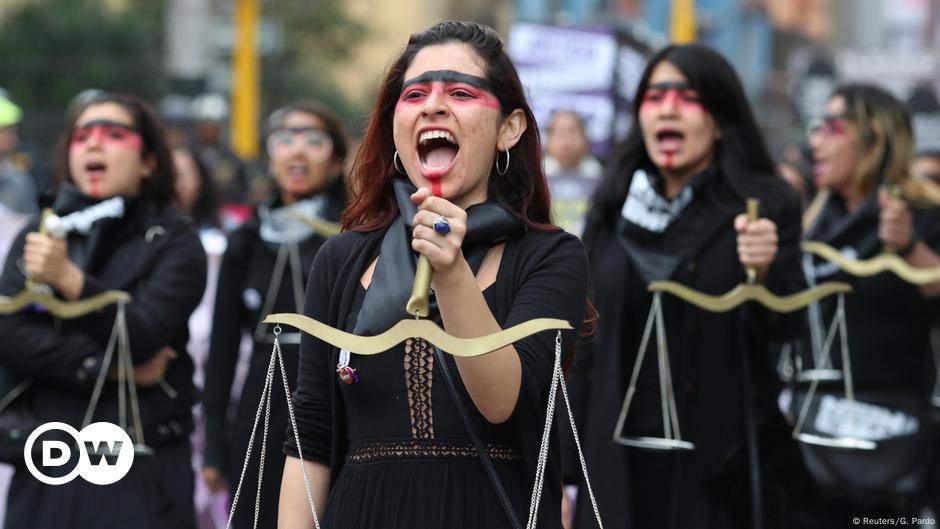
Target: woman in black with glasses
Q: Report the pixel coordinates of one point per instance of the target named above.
(264, 271)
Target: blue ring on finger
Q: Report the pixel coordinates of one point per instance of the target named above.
(441, 225)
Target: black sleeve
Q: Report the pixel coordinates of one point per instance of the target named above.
(161, 306)
(227, 320)
(555, 287)
(927, 227)
(33, 344)
(579, 393)
(312, 406)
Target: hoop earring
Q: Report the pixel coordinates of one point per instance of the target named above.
(506, 168)
(396, 162)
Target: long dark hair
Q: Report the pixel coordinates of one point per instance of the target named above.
(522, 190)
(205, 211)
(741, 156)
(158, 187)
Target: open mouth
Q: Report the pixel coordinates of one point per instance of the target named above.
(669, 139)
(437, 150)
(95, 169)
(297, 170)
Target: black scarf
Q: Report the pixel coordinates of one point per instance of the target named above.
(657, 254)
(853, 234)
(384, 304)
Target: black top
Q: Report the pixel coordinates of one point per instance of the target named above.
(398, 453)
(244, 280)
(152, 253)
(689, 489)
(888, 320)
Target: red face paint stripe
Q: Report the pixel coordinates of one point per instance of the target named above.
(454, 93)
(107, 134)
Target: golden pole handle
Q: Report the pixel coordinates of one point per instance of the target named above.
(896, 192)
(43, 229)
(753, 214)
(419, 303)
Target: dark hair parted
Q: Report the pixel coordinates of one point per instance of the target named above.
(158, 186)
(741, 156)
(522, 190)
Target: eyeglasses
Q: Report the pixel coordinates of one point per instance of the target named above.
(313, 140)
(828, 126)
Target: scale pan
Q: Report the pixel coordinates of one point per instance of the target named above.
(655, 443)
(822, 375)
(848, 443)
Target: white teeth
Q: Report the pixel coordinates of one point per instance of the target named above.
(433, 134)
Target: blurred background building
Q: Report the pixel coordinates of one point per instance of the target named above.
(788, 52)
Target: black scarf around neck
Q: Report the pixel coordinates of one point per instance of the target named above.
(657, 254)
(384, 303)
(854, 234)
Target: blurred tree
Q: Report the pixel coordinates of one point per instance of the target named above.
(51, 50)
(317, 35)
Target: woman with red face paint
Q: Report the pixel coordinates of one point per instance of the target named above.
(114, 150)
(861, 147)
(449, 168)
(264, 271)
(671, 207)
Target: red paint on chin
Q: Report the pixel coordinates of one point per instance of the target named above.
(94, 189)
(669, 156)
(436, 186)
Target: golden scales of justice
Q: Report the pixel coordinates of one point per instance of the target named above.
(419, 327)
(748, 291)
(38, 294)
(886, 261)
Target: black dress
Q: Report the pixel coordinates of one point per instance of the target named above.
(256, 278)
(398, 452)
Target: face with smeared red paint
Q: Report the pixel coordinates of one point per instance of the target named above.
(678, 131)
(105, 153)
(837, 152)
(447, 125)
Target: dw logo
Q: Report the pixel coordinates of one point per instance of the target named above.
(106, 457)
